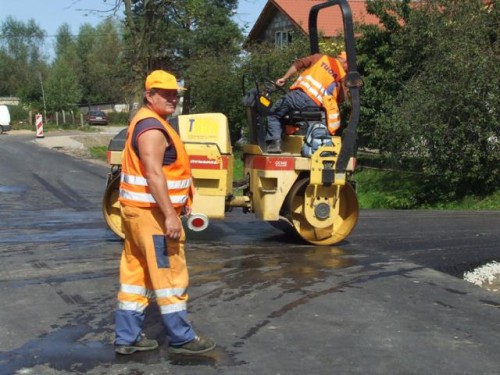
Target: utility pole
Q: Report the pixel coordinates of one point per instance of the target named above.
(43, 96)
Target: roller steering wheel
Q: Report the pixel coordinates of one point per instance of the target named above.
(271, 86)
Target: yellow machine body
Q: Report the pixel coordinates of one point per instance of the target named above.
(284, 187)
(304, 192)
(207, 142)
(314, 196)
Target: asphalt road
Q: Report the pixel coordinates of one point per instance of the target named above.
(388, 300)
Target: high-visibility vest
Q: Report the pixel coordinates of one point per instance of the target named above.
(332, 113)
(321, 82)
(134, 189)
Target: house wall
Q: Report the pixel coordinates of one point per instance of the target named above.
(282, 25)
(9, 100)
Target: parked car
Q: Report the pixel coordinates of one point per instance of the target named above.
(97, 118)
(4, 119)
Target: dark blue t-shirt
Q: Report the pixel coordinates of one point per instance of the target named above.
(151, 123)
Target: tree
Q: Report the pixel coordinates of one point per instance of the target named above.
(431, 93)
(63, 90)
(175, 35)
(382, 80)
(102, 72)
(22, 60)
(452, 105)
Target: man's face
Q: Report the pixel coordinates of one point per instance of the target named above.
(162, 101)
(343, 62)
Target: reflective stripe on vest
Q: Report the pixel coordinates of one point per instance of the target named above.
(316, 80)
(148, 198)
(332, 113)
(141, 181)
(311, 88)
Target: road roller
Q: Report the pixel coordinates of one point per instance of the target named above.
(311, 197)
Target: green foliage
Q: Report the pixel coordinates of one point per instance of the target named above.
(62, 87)
(176, 35)
(238, 166)
(101, 71)
(265, 60)
(98, 152)
(17, 114)
(118, 118)
(21, 60)
(216, 92)
(385, 189)
(431, 93)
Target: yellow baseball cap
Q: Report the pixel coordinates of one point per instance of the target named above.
(160, 79)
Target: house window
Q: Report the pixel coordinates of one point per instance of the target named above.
(282, 38)
(277, 39)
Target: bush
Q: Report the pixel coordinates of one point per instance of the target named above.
(430, 95)
(18, 115)
(118, 118)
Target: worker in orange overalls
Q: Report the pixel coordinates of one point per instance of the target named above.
(155, 188)
(319, 85)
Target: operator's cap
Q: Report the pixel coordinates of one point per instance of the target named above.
(160, 79)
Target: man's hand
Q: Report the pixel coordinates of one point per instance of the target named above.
(280, 82)
(187, 210)
(173, 227)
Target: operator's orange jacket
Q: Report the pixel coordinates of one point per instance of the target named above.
(134, 189)
(322, 83)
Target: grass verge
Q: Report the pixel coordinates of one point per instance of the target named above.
(398, 190)
(98, 152)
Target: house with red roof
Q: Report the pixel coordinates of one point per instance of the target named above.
(281, 19)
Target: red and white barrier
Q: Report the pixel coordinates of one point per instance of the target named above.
(39, 125)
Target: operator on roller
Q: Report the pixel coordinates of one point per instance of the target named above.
(319, 85)
(155, 188)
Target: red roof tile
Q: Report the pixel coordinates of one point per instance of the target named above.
(329, 19)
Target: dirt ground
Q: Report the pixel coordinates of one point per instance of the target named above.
(88, 141)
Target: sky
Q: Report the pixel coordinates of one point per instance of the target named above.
(50, 14)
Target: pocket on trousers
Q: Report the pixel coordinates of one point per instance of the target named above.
(161, 253)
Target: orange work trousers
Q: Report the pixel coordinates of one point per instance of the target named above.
(151, 265)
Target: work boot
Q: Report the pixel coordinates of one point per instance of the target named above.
(197, 346)
(274, 147)
(141, 345)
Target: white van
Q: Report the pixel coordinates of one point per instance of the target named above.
(4, 119)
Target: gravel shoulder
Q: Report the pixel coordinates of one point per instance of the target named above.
(75, 143)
